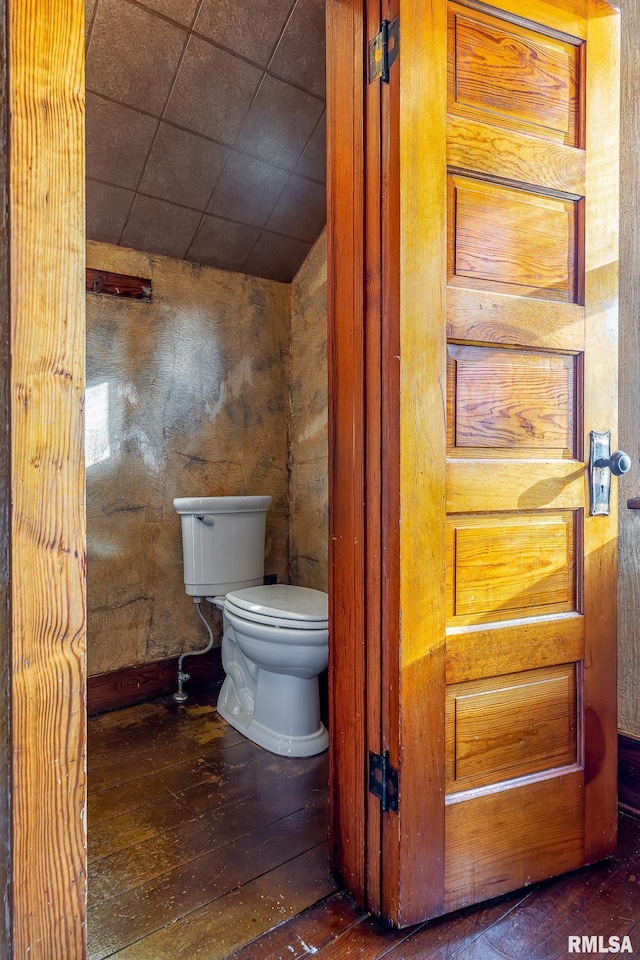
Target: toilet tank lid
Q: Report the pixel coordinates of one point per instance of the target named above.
(283, 600)
(213, 505)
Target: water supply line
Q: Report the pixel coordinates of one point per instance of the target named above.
(180, 696)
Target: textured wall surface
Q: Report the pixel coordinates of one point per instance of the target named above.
(629, 436)
(308, 467)
(186, 396)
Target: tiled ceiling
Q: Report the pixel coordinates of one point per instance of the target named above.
(206, 130)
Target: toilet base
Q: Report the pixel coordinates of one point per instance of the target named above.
(277, 743)
(241, 718)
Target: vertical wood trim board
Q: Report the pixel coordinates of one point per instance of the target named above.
(601, 402)
(420, 660)
(47, 260)
(5, 508)
(347, 518)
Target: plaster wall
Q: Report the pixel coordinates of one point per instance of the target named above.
(308, 455)
(190, 392)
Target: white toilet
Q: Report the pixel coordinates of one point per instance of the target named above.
(275, 640)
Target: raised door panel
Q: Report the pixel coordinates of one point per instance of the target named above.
(513, 240)
(512, 403)
(520, 77)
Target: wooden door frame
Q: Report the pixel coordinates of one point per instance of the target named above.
(363, 377)
(42, 672)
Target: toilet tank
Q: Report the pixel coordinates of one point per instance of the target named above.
(222, 543)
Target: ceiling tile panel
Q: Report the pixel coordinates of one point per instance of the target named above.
(89, 10)
(250, 29)
(206, 129)
(300, 55)
(276, 258)
(213, 91)
(301, 210)
(183, 167)
(160, 227)
(182, 11)
(107, 211)
(279, 123)
(248, 190)
(313, 162)
(133, 55)
(223, 244)
(118, 141)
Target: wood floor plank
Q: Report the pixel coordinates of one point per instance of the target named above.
(307, 933)
(227, 783)
(181, 735)
(214, 931)
(219, 763)
(191, 838)
(149, 787)
(445, 937)
(165, 899)
(146, 723)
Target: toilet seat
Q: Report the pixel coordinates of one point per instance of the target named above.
(280, 605)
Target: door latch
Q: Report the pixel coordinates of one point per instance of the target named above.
(603, 463)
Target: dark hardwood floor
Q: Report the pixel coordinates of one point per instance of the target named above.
(202, 846)
(199, 840)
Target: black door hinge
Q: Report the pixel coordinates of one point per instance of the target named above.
(383, 780)
(384, 49)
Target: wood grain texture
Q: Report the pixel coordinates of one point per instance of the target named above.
(511, 726)
(347, 516)
(548, 484)
(503, 566)
(104, 283)
(533, 922)
(482, 316)
(390, 368)
(537, 486)
(601, 406)
(5, 507)
(506, 153)
(46, 57)
(523, 644)
(191, 820)
(629, 523)
(512, 402)
(526, 80)
(514, 843)
(421, 173)
(378, 547)
(513, 240)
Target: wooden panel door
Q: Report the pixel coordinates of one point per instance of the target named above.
(507, 317)
(495, 689)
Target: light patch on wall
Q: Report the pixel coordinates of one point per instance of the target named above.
(232, 387)
(314, 428)
(129, 392)
(97, 439)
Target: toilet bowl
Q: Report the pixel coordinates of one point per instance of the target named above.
(275, 638)
(274, 646)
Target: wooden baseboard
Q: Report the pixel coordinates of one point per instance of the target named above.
(124, 688)
(629, 774)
